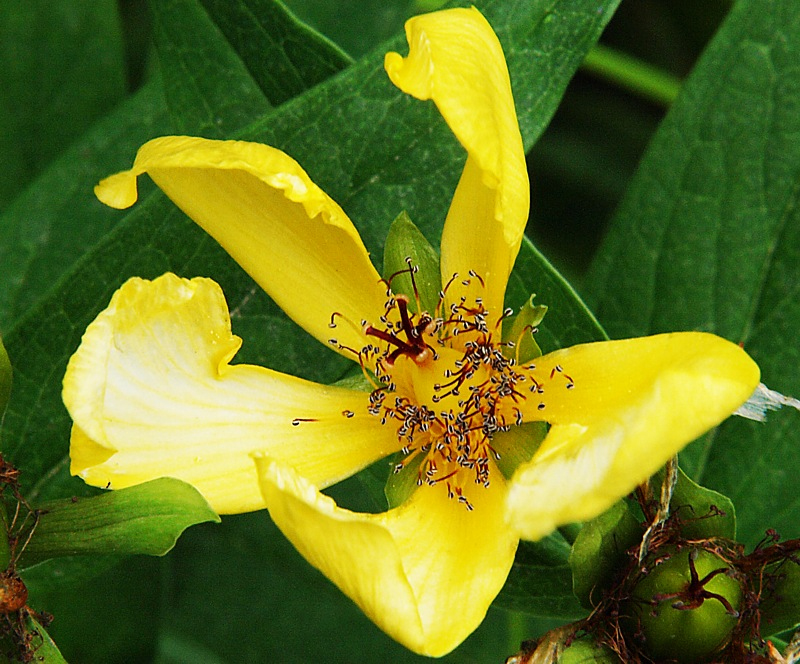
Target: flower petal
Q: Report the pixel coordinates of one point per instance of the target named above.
(265, 211)
(456, 60)
(152, 394)
(424, 572)
(635, 403)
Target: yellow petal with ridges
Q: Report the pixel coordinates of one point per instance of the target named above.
(152, 394)
(456, 59)
(635, 403)
(425, 572)
(265, 211)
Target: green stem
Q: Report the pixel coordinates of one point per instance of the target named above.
(632, 74)
(5, 544)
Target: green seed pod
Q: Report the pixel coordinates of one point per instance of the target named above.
(686, 608)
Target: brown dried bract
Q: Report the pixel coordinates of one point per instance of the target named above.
(19, 639)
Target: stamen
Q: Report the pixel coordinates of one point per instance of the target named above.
(298, 420)
(476, 394)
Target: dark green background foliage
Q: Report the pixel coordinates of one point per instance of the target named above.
(703, 234)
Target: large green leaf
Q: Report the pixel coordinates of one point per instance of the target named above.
(708, 237)
(284, 610)
(540, 582)
(61, 67)
(111, 617)
(57, 218)
(143, 519)
(358, 25)
(194, 64)
(284, 56)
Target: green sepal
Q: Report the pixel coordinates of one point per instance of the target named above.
(599, 551)
(519, 330)
(404, 243)
(517, 445)
(780, 606)
(143, 519)
(5, 379)
(703, 513)
(355, 380)
(400, 485)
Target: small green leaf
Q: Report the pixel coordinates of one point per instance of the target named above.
(599, 551)
(407, 247)
(540, 582)
(703, 513)
(520, 330)
(147, 519)
(43, 648)
(780, 609)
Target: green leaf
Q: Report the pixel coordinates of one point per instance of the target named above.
(208, 89)
(599, 552)
(57, 218)
(708, 238)
(358, 25)
(568, 321)
(120, 608)
(780, 609)
(540, 582)
(143, 519)
(283, 55)
(703, 513)
(61, 67)
(287, 611)
(24, 639)
(518, 445)
(44, 648)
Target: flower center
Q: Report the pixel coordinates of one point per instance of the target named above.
(447, 385)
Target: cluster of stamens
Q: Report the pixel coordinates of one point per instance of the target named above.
(474, 396)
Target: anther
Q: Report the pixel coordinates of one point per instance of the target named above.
(297, 420)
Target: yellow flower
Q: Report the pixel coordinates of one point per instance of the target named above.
(152, 392)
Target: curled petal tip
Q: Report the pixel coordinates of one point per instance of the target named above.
(118, 191)
(413, 74)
